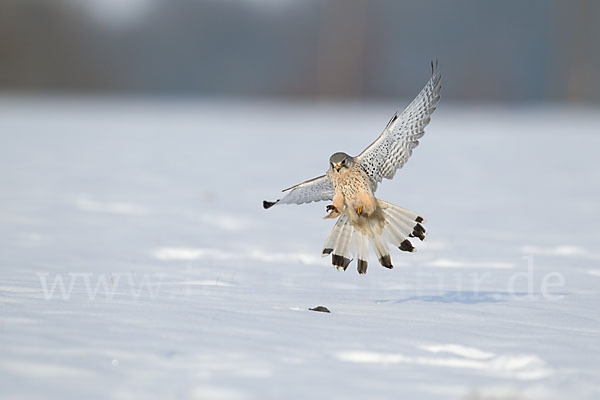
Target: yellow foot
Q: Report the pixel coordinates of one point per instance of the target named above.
(359, 210)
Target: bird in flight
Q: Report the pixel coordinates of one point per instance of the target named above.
(350, 183)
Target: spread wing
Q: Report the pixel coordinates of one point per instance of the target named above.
(315, 189)
(394, 146)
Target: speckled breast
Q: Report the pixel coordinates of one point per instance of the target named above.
(350, 183)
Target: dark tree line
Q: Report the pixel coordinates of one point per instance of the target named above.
(511, 50)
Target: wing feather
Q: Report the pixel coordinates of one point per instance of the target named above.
(393, 147)
(315, 189)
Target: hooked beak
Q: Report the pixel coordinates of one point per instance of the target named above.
(337, 167)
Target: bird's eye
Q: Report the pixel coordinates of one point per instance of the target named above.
(343, 161)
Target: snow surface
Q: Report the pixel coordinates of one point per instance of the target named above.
(177, 284)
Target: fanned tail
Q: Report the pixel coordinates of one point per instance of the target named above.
(339, 242)
(378, 241)
(391, 224)
(400, 225)
(362, 252)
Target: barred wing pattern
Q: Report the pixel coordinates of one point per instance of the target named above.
(315, 189)
(394, 146)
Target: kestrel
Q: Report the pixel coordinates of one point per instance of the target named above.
(351, 182)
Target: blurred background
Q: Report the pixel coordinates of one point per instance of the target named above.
(512, 50)
(138, 138)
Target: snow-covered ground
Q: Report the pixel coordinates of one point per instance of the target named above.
(136, 260)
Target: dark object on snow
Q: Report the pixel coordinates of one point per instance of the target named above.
(320, 309)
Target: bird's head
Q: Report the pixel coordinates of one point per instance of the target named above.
(339, 161)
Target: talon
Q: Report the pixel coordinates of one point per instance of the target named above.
(359, 210)
(333, 211)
